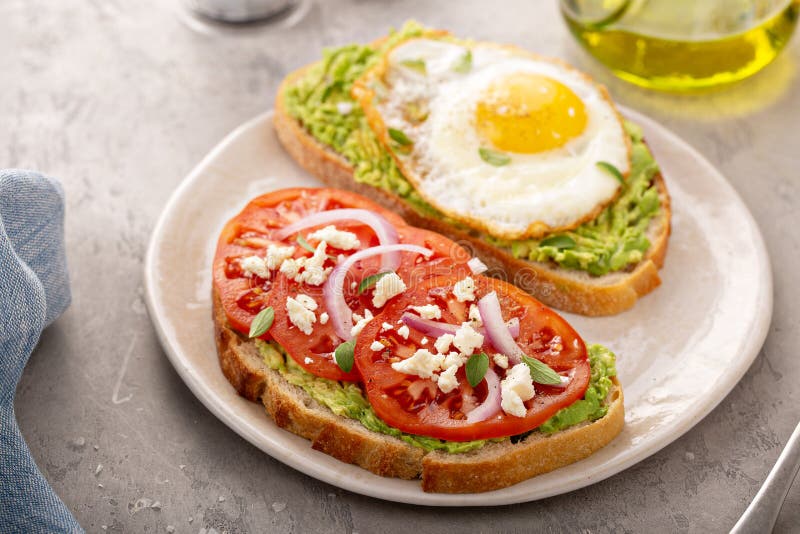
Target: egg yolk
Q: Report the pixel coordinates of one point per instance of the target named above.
(529, 113)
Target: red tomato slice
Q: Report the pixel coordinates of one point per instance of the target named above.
(418, 406)
(315, 351)
(252, 231)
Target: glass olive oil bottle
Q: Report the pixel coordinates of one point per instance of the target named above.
(681, 45)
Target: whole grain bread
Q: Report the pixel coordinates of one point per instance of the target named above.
(494, 466)
(569, 290)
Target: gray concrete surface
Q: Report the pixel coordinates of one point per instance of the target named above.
(120, 99)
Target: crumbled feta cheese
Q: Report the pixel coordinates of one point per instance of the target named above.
(423, 341)
(447, 380)
(308, 361)
(307, 301)
(422, 363)
(454, 359)
(361, 322)
(475, 314)
(277, 255)
(314, 273)
(515, 389)
(464, 290)
(253, 265)
(501, 360)
(336, 238)
(428, 311)
(403, 331)
(467, 339)
(323, 318)
(443, 342)
(477, 266)
(300, 316)
(344, 108)
(385, 327)
(377, 345)
(387, 287)
(291, 267)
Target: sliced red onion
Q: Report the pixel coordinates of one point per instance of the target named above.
(387, 234)
(491, 405)
(429, 327)
(513, 327)
(477, 266)
(333, 291)
(496, 331)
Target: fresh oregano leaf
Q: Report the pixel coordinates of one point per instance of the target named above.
(416, 64)
(416, 112)
(370, 281)
(476, 368)
(344, 355)
(610, 169)
(493, 157)
(262, 322)
(306, 245)
(399, 137)
(561, 242)
(464, 64)
(541, 373)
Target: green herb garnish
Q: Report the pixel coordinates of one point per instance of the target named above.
(610, 169)
(416, 112)
(399, 137)
(416, 64)
(344, 355)
(493, 157)
(262, 322)
(370, 281)
(561, 242)
(476, 368)
(306, 245)
(464, 64)
(541, 373)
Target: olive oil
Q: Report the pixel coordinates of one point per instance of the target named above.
(682, 45)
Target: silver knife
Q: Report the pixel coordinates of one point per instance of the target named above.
(762, 513)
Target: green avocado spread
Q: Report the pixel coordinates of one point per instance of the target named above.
(321, 101)
(347, 399)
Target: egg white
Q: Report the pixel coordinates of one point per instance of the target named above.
(532, 195)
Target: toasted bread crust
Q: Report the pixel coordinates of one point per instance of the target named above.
(506, 463)
(240, 364)
(494, 466)
(572, 291)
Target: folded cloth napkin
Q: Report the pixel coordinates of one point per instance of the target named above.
(34, 290)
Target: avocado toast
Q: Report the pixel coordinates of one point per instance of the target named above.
(359, 411)
(599, 267)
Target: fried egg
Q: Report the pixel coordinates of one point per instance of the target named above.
(496, 137)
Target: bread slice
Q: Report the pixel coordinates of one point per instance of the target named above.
(494, 466)
(569, 290)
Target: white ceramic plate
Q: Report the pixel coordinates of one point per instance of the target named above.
(680, 350)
